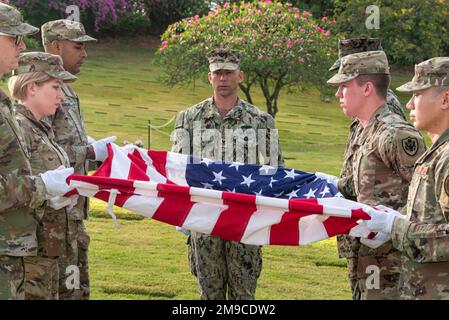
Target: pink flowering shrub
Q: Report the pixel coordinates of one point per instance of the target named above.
(104, 12)
(281, 47)
(114, 16)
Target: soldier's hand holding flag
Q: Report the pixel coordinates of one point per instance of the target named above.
(379, 239)
(99, 148)
(382, 218)
(55, 181)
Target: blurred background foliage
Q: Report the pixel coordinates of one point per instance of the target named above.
(411, 30)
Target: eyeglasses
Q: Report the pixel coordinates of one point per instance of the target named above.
(17, 39)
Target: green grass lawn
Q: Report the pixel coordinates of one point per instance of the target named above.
(146, 259)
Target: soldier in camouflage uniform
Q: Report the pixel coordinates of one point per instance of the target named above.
(422, 235)
(384, 151)
(348, 246)
(36, 84)
(68, 39)
(221, 266)
(19, 190)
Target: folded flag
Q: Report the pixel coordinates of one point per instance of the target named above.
(252, 204)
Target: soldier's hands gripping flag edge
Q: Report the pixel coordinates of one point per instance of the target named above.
(163, 186)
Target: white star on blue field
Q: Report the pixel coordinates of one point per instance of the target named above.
(258, 180)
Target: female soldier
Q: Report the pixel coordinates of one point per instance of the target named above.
(36, 84)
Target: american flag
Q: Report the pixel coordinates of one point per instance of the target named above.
(259, 205)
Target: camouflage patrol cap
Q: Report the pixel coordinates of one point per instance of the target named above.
(223, 59)
(43, 62)
(64, 29)
(355, 45)
(11, 22)
(354, 65)
(430, 73)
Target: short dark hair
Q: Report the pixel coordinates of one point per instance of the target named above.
(381, 82)
(438, 90)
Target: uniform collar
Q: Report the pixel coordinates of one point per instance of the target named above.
(354, 123)
(3, 96)
(380, 113)
(441, 140)
(5, 102)
(68, 91)
(212, 111)
(20, 108)
(236, 111)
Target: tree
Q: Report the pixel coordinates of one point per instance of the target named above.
(281, 47)
(162, 13)
(411, 30)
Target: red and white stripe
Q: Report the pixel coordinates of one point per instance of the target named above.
(152, 183)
